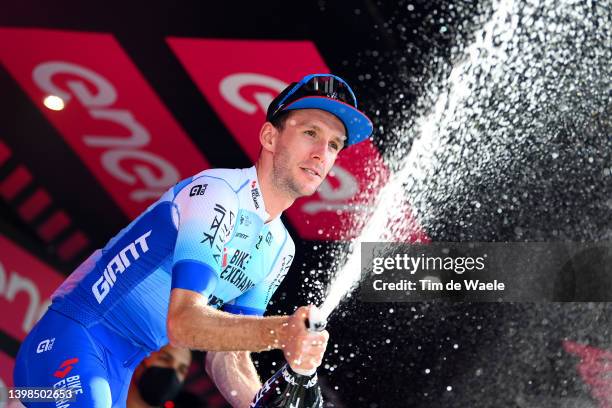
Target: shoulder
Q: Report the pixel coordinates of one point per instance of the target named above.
(215, 181)
(206, 190)
(232, 177)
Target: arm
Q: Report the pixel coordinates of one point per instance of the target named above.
(205, 214)
(193, 324)
(234, 375)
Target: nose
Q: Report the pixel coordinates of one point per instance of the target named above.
(320, 152)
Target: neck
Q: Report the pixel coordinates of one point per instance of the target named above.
(275, 200)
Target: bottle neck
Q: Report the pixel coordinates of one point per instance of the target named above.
(305, 378)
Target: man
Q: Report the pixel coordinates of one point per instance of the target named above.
(159, 377)
(213, 241)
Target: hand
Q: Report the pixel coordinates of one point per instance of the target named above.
(302, 349)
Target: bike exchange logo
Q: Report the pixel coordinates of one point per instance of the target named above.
(255, 194)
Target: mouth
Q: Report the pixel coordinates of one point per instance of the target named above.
(311, 171)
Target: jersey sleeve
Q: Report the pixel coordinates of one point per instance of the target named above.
(255, 300)
(205, 213)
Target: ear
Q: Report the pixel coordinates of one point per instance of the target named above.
(268, 136)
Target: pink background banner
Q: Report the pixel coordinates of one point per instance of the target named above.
(25, 287)
(112, 117)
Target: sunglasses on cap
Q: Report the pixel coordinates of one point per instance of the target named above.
(324, 85)
(329, 93)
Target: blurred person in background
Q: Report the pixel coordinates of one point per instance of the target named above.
(159, 377)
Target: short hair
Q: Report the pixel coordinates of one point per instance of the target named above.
(280, 119)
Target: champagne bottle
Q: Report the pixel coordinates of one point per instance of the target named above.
(289, 388)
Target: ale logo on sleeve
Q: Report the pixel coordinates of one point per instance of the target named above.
(240, 78)
(45, 345)
(89, 89)
(198, 190)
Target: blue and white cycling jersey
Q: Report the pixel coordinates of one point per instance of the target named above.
(207, 234)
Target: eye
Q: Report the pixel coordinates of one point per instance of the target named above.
(334, 146)
(310, 132)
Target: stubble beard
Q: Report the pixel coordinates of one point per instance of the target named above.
(284, 181)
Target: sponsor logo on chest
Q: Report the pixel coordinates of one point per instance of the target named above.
(219, 230)
(245, 220)
(269, 239)
(235, 271)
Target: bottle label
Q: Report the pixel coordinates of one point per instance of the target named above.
(263, 391)
(290, 378)
(286, 389)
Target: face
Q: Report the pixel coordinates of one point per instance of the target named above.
(306, 149)
(169, 356)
